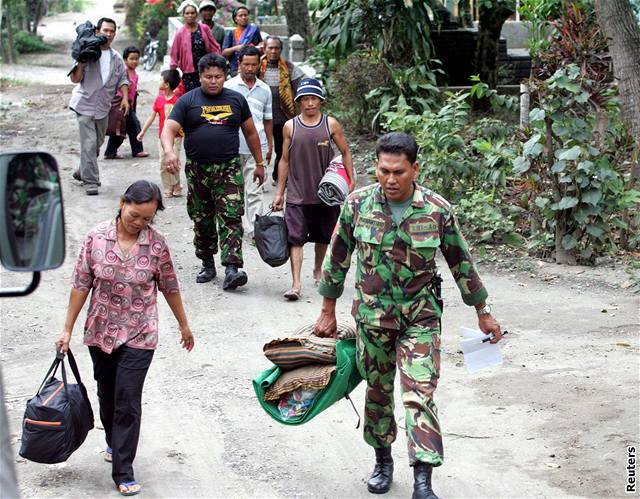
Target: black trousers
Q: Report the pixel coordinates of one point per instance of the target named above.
(120, 376)
(133, 129)
(278, 139)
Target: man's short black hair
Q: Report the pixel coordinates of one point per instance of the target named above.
(248, 50)
(398, 143)
(277, 38)
(212, 61)
(171, 77)
(103, 20)
(130, 50)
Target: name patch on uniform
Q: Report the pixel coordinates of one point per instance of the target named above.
(371, 223)
(425, 227)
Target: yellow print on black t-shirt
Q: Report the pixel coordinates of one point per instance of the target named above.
(217, 115)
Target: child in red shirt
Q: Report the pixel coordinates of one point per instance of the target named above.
(169, 81)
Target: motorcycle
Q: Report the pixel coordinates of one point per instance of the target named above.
(150, 54)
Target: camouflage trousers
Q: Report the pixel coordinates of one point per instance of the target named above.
(416, 352)
(215, 203)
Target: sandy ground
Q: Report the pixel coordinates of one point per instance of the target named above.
(553, 421)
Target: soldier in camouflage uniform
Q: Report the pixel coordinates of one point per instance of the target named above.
(395, 228)
(211, 117)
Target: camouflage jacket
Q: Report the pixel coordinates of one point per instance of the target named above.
(396, 263)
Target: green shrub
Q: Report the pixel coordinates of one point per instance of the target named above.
(57, 6)
(458, 154)
(26, 43)
(485, 218)
(353, 79)
(153, 18)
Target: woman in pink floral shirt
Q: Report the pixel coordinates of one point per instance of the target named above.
(123, 263)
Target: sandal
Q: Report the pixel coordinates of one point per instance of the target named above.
(177, 191)
(129, 488)
(141, 154)
(107, 455)
(168, 194)
(115, 156)
(293, 294)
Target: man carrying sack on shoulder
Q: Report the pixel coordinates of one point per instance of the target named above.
(98, 81)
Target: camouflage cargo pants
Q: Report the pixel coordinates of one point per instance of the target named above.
(416, 352)
(215, 204)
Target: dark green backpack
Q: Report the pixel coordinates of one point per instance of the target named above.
(343, 381)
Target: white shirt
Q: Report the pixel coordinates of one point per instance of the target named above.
(259, 99)
(105, 65)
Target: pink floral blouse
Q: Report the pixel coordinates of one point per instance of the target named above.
(123, 307)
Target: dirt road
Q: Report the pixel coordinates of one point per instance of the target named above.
(554, 420)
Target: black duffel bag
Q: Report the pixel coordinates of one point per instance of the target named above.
(58, 418)
(270, 233)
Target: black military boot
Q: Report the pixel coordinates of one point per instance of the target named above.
(207, 272)
(234, 278)
(382, 476)
(422, 482)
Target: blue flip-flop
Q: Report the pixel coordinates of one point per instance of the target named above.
(129, 488)
(107, 455)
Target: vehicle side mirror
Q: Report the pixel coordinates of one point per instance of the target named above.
(31, 212)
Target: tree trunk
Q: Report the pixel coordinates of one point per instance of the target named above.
(297, 14)
(37, 10)
(486, 65)
(562, 255)
(623, 36)
(618, 22)
(8, 51)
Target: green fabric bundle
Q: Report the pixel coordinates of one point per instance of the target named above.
(345, 378)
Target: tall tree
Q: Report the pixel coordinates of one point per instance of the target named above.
(297, 14)
(492, 15)
(616, 17)
(623, 36)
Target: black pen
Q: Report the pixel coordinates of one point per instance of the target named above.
(492, 337)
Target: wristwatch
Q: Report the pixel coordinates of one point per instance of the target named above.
(486, 310)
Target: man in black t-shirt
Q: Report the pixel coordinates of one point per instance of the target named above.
(210, 117)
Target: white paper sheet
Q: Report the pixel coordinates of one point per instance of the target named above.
(478, 355)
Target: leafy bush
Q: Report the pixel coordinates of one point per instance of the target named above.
(575, 156)
(485, 218)
(26, 43)
(153, 18)
(457, 154)
(575, 162)
(398, 29)
(415, 85)
(352, 80)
